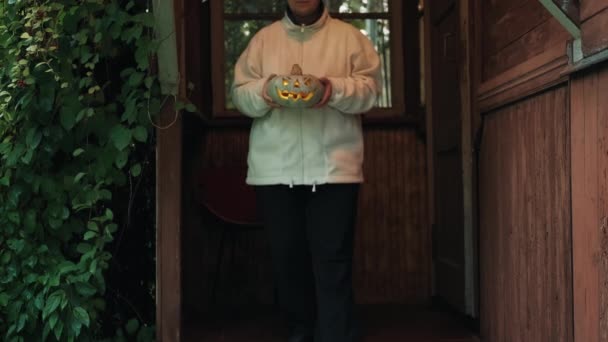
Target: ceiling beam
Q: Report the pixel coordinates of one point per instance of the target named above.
(566, 13)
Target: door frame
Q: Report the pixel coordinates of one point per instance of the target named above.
(470, 125)
(169, 171)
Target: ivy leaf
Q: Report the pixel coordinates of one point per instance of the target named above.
(76, 326)
(136, 170)
(67, 116)
(89, 235)
(51, 304)
(46, 331)
(21, 322)
(121, 159)
(149, 81)
(142, 57)
(46, 98)
(27, 158)
(136, 78)
(6, 257)
(92, 225)
(4, 298)
(59, 330)
(112, 228)
(33, 137)
(83, 248)
(30, 221)
(66, 267)
(77, 152)
(82, 316)
(109, 214)
(79, 177)
(85, 289)
(132, 326)
(6, 179)
(140, 134)
(120, 137)
(16, 245)
(53, 320)
(14, 217)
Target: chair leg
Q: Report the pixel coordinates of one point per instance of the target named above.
(218, 265)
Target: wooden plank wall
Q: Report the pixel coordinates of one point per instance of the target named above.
(594, 19)
(392, 261)
(525, 237)
(589, 120)
(526, 285)
(515, 31)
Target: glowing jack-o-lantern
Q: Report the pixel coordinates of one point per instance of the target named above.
(296, 90)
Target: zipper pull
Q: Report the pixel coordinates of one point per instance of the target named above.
(291, 184)
(314, 186)
(302, 28)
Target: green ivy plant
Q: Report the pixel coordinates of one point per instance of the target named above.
(76, 100)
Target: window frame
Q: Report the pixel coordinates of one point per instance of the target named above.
(397, 58)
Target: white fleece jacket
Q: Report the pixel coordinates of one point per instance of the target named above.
(308, 146)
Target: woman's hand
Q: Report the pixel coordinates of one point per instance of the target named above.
(326, 94)
(267, 98)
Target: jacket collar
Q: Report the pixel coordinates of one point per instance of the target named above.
(303, 31)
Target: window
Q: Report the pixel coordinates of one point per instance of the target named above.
(234, 22)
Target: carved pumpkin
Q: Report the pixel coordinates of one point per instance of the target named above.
(296, 90)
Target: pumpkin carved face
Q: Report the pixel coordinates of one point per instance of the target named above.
(296, 90)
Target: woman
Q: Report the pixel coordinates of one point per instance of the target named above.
(306, 164)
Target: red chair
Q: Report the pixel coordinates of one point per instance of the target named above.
(230, 202)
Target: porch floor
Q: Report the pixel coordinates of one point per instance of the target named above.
(380, 324)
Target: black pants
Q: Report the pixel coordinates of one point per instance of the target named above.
(311, 237)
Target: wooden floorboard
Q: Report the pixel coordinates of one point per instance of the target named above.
(379, 324)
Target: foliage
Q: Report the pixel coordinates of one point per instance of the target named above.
(76, 97)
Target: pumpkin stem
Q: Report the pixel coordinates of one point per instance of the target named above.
(296, 70)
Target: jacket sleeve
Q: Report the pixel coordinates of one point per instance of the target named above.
(249, 81)
(358, 92)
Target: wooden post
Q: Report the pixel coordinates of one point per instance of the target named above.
(169, 180)
(168, 225)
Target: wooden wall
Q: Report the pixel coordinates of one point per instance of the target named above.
(392, 261)
(594, 20)
(526, 286)
(589, 120)
(525, 233)
(521, 49)
(516, 31)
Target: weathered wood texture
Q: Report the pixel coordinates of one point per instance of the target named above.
(525, 236)
(595, 38)
(169, 227)
(169, 202)
(392, 258)
(590, 8)
(589, 122)
(393, 249)
(514, 32)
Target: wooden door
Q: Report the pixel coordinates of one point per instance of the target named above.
(446, 153)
